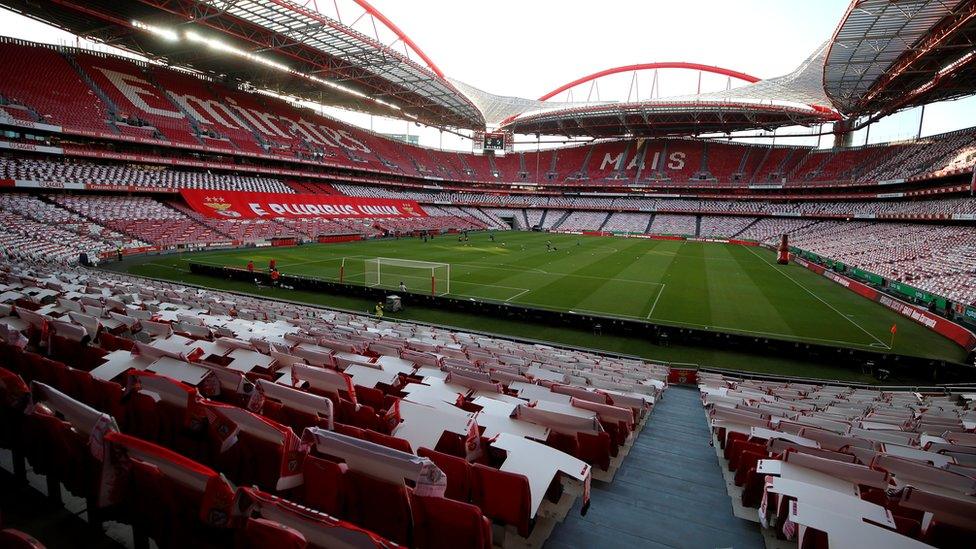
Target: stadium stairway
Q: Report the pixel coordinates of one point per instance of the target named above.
(762, 162)
(743, 162)
(746, 228)
(669, 492)
(639, 159)
(562, 218)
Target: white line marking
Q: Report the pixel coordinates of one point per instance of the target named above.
(659, 292)
(845, 317)
(523, 292)
(165, 266)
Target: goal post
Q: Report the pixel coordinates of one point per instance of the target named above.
(417, 276)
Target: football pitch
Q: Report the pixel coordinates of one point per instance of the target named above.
(710, 286)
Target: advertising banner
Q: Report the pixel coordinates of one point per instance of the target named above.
(921, 295)
(248, 205)
(934, 322)
(866, 276)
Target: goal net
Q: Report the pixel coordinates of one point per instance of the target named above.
(417, 276)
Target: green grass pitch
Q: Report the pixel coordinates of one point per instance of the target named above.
(703, 285)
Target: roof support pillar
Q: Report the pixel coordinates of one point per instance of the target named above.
(843, 136)
(921, 118)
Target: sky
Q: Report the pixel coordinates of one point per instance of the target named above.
(529, 47)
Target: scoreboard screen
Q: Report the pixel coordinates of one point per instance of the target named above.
(494, 142)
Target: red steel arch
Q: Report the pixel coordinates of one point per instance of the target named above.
(396, 30)
(648, 66)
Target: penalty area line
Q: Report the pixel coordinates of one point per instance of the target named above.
(654, 305)
(523, 292)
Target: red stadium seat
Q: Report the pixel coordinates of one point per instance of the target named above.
(379, 506)
(389, 441)
(320, 531)
(152, 511)
(729, 439)
(274, 411)
(14, 395)
(350, 431)
(747, 462)
(49, 447)
(13, 390)
(15, 539)
(458, 472)
(502, 497)
(142, 419)
(167, 496)
(441, 523)
(564, 442)
(323, 488)
(61, 453)
(370, 397)
(595, 449)
(107, 397)
(259, 533)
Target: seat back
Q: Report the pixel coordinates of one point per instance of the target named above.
(320, 530)
(379, 506)
(153, 509)
(778, 446)
(13, 390)
(13, 398)
(953, 511)
(15, 539)
(350, 431)
(323, 485)
(259, 533)
(108, 398)
(441, 523)
(48, 445)
(910, 472)
(458, 473)
(727, 441)
(858, 474)
(253, 461)
(502, 497)
(389, 441)
(370, 396)
(595, 449)
(79, 386)
(564, 442)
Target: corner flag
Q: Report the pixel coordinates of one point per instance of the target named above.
(894, 329)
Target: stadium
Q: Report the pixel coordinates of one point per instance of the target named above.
(656, 302)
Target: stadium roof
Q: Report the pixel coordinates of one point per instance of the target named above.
(499, 108)
(794, 99)
(888, 55)
(277, 45)
(885, 55)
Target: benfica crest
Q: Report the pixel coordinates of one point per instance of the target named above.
(408, 209)
(220, 206)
